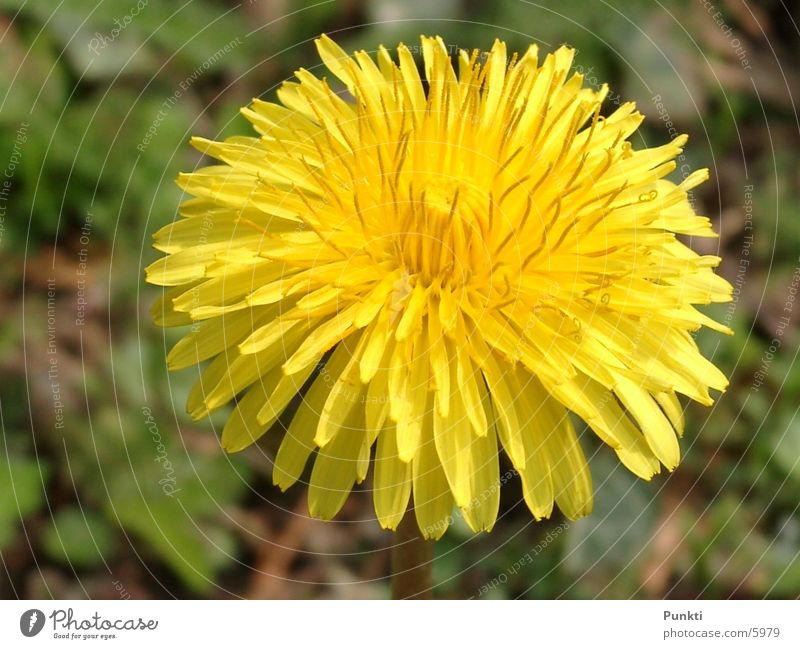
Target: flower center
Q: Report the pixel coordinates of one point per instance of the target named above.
(441, 232)
(440, 192)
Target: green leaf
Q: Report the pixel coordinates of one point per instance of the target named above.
(32, 84)
(78, 537)
(194, 548)
(786, 440)
(22, 481)
(168, 498)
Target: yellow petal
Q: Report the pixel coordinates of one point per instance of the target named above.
(345, 393)
(481, 513)
(505, 405)
(321, 339)
(393, 479)
(279, 397)
(376, 347)
(298, 442)
(409, 424)
(672, 408)
(467, 378)
(657, 430)
(440, 363)
(411, 320)
(572, 481)
(335, 471)
(433, 500)
(266, 335)
(599, 408)
(374, 301)
(163, 310)
(453, 437)
(376, 408)
(335, 59)
(243, 427)
(537, 482)
(213, 337)
(398, 380)
(411, 80)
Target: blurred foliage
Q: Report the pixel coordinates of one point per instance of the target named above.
(129, 491)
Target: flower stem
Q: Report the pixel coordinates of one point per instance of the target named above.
(412, 560)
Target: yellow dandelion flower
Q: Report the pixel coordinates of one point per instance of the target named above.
(442, 270)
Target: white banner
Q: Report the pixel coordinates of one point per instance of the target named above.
(234, 624)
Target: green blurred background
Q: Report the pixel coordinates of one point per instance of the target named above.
(108, 490)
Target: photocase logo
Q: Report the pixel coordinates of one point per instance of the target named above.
(31, 622)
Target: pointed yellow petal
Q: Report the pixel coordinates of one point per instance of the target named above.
(467, 378)
(376, 408)
(243, 427)
(672, 408)
(398, 380)
(505, 405)
(374, 353)
(212, 338)
(376, 299)
(570, 472)
(537, 482)
(433, 500)
(335, 59)
(453, 436)
(346, 392)
(163, 310)
(448, 310)
(657, 430)
(335, 471)
(418, 399)
(266, 335)
(481, 513)
(599, 408)
(279, 397)
(411, 80)
(393, 479)
(440, 363)
(321, 339)
(495, 79)
(298, 442)
(411, 320)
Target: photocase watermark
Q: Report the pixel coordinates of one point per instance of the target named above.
(119, 587)
(183, 86)
(733, 41)
(20, 138)
(432, 530)
(168, 482)
(524, 560)
(52, 355)
(336, 389)
(683, 166)
(67, 626)
(31, 622)
(784, 321)
(451, 48)
(81, 270)
(589, 77)
(206, 225)
(341, 389)
(102, 41)
(744, 254)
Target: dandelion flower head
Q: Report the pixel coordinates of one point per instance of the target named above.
(424, 272)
